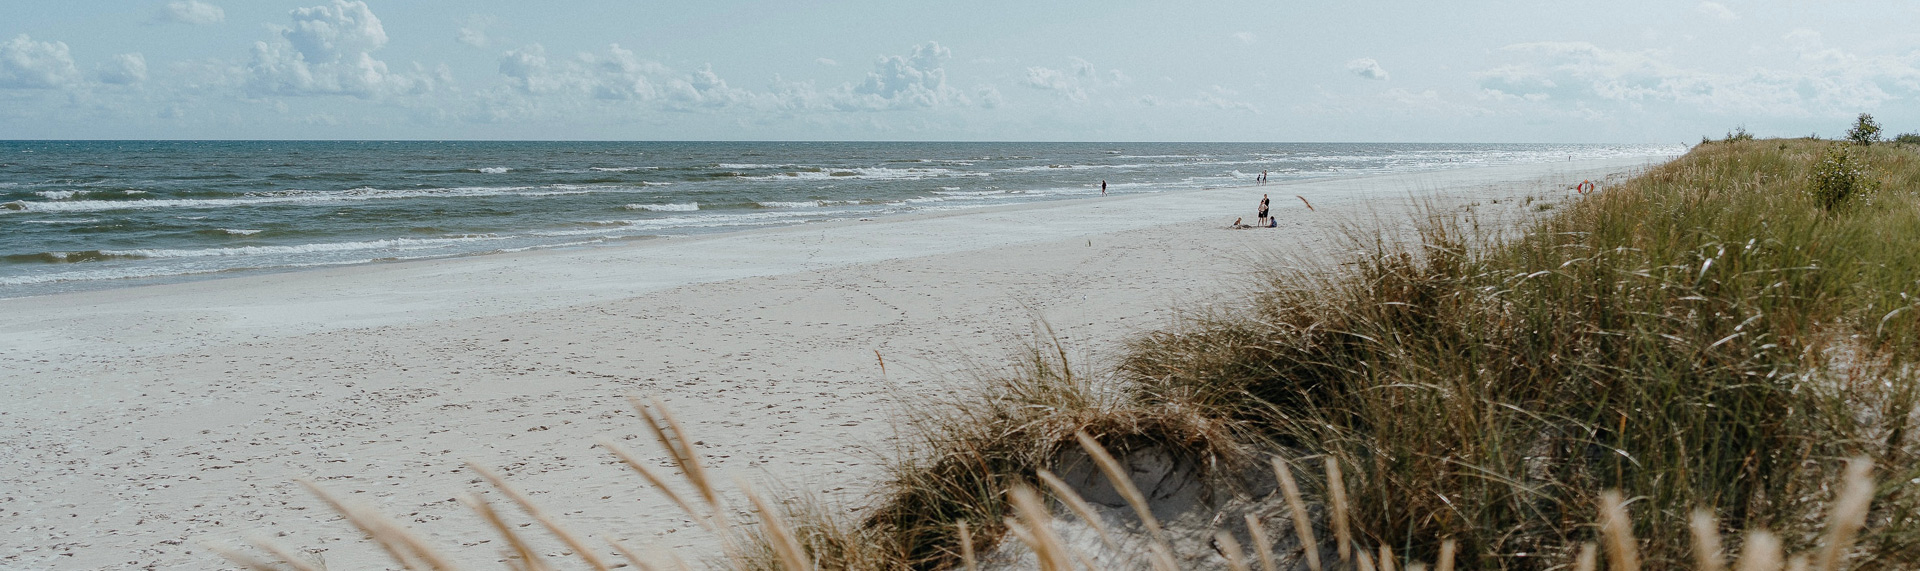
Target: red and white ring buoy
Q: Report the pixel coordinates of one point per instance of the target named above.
(1584, 187)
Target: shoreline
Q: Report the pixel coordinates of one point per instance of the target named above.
(181, 412)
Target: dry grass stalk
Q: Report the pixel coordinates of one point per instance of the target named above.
(292, 559)
(1230, 548)
(1078, 505)
(1589, 558)
(966, 548)
(785, 545)
(1761, 553)
(522, 551)
(1337, 491)
(658, 483)
(1301, 526)
(1797, 562)
(580, 548)
(1708, 554)
(1849, 512)
(1123, 482)
(1038, 530)
(1363, 561)
(1386, 558)
(1262, 547)
(1446, 555)
(399, 544)
(1623, 551)
(680, 448)
(241, 559)
(1161, 558)
(633, 558)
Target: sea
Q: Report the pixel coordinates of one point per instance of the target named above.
(78, 215)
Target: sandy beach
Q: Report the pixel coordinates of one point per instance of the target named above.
(142, 423)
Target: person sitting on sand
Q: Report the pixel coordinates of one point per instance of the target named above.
(1236, 223)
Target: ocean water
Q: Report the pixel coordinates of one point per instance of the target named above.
(86, 215)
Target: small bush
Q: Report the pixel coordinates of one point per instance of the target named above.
(1838, 177)
(1908, 139)
(1864, 131)
(1739, 134)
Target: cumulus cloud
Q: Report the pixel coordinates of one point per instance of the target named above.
(1367, 68)
(328, 51)
(192, 12)
(1075, 82)
(1716, 10)
(1816, 80)
(29, 64)
(123, 69)
(913, 80)
(474, 33)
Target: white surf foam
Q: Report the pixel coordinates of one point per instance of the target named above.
(391, 244)
(686, 207)
(493, 170)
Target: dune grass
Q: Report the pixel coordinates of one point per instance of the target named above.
(1708, 334)
(1705, 367)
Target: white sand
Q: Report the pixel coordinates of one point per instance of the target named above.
(142, 422)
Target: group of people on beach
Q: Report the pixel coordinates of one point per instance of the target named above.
(1264, 221)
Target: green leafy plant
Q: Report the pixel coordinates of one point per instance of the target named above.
(1838, 177)
(1864, 131)
(1739, 134)
(1908, 139)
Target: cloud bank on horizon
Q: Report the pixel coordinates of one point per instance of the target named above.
(1599, 72)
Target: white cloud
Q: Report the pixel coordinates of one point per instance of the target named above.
(123, 69)
(989, 97)
(1367, 68)
(328, 51)
(1075, 82)
(826, 62)
(913, 80)
(1245, 38)
(474, 32)
(1716, 10)
(27, 64)
(472, 36)
(1811, 80)
(192, 12)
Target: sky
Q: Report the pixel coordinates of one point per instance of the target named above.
(1369, 71)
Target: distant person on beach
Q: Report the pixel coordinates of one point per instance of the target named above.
(1263, 211)
(1263, 176)
(1103, 188)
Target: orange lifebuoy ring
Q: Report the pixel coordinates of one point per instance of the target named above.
(1584, 187)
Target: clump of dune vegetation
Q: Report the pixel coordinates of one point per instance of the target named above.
(1710, 366)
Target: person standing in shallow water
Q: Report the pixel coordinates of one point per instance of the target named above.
(1103, 188)
(1263, 210)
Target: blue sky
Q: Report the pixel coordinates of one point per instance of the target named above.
(1543, 71)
